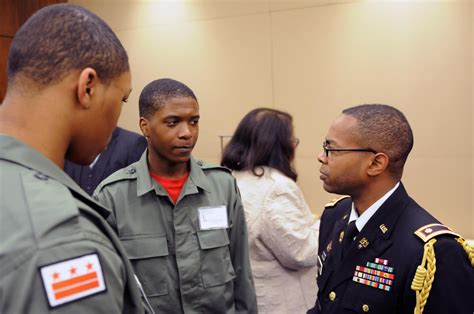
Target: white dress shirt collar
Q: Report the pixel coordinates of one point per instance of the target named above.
(94, 162)
(369, 212)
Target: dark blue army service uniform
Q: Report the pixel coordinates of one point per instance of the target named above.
(376, 273)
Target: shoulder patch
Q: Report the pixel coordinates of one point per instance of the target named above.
(72, 279)
(430, 231)
(335, 201)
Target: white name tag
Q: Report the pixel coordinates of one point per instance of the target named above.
(213, 218)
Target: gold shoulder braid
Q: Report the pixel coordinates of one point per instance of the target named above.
(424, 277)
(469, 249)
(335, 201)
(425, 272)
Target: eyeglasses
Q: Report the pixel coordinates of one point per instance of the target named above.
(328, 149)
(295, 141)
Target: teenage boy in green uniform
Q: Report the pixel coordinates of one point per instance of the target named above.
(180, 220)
(67, 77)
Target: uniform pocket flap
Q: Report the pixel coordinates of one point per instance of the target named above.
(209, 239)
(145, 247)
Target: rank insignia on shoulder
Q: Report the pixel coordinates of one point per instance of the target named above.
(430, 231)
(72, 279)
(335, 201)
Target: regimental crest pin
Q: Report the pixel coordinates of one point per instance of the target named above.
(377, 274)
(329, 247)
(363, 243)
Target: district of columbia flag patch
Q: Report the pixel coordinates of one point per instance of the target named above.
(73, 279)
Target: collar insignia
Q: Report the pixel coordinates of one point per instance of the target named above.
(341, 236)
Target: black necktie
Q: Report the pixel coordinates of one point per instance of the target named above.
(349, 234)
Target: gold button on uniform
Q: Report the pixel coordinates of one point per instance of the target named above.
(332, 296)
(365, 308)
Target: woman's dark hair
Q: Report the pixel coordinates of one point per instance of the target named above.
(264, 137)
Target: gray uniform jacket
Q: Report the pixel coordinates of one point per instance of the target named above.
(183, 269)
(57, 252)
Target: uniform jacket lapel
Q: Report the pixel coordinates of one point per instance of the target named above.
(333, 252)
(373, 233)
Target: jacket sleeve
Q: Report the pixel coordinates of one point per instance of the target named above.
(288, 228)
(27, 284)
(244, 291)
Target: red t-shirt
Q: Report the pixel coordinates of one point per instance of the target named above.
(172, 186)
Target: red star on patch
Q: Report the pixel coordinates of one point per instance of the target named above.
(55, 276)
(89, 266)
(73, 270)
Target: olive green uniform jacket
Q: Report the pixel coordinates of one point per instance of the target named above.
(47, 220)
(183, 269)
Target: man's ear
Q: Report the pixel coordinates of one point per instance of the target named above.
(378, 164)
(144, 126)
(87, 84)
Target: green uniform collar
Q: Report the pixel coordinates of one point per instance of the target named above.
(23, 154)
(145, 184)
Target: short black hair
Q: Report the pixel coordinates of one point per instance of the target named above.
(156, 93)
(384, 129)
(262, 138)
(64, 37)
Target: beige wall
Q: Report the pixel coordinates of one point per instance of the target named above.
(314, 58)
(472, 123)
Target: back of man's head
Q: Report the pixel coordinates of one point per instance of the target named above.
(59, 39)
(384, 129)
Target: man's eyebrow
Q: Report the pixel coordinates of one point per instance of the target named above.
(171, 116)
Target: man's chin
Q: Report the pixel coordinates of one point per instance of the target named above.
(182, 159)
(328, 188)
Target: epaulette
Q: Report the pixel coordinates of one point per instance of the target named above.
(430, 231)
(127, 173)
(425, 272)
(335, 201)
(205, 166)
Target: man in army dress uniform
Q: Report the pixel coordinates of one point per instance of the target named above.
(180, 220)
(379, 251)
(67, 77)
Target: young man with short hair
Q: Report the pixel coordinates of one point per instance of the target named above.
(180, 220)
(68, 75)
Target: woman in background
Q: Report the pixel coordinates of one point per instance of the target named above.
(283, 234)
